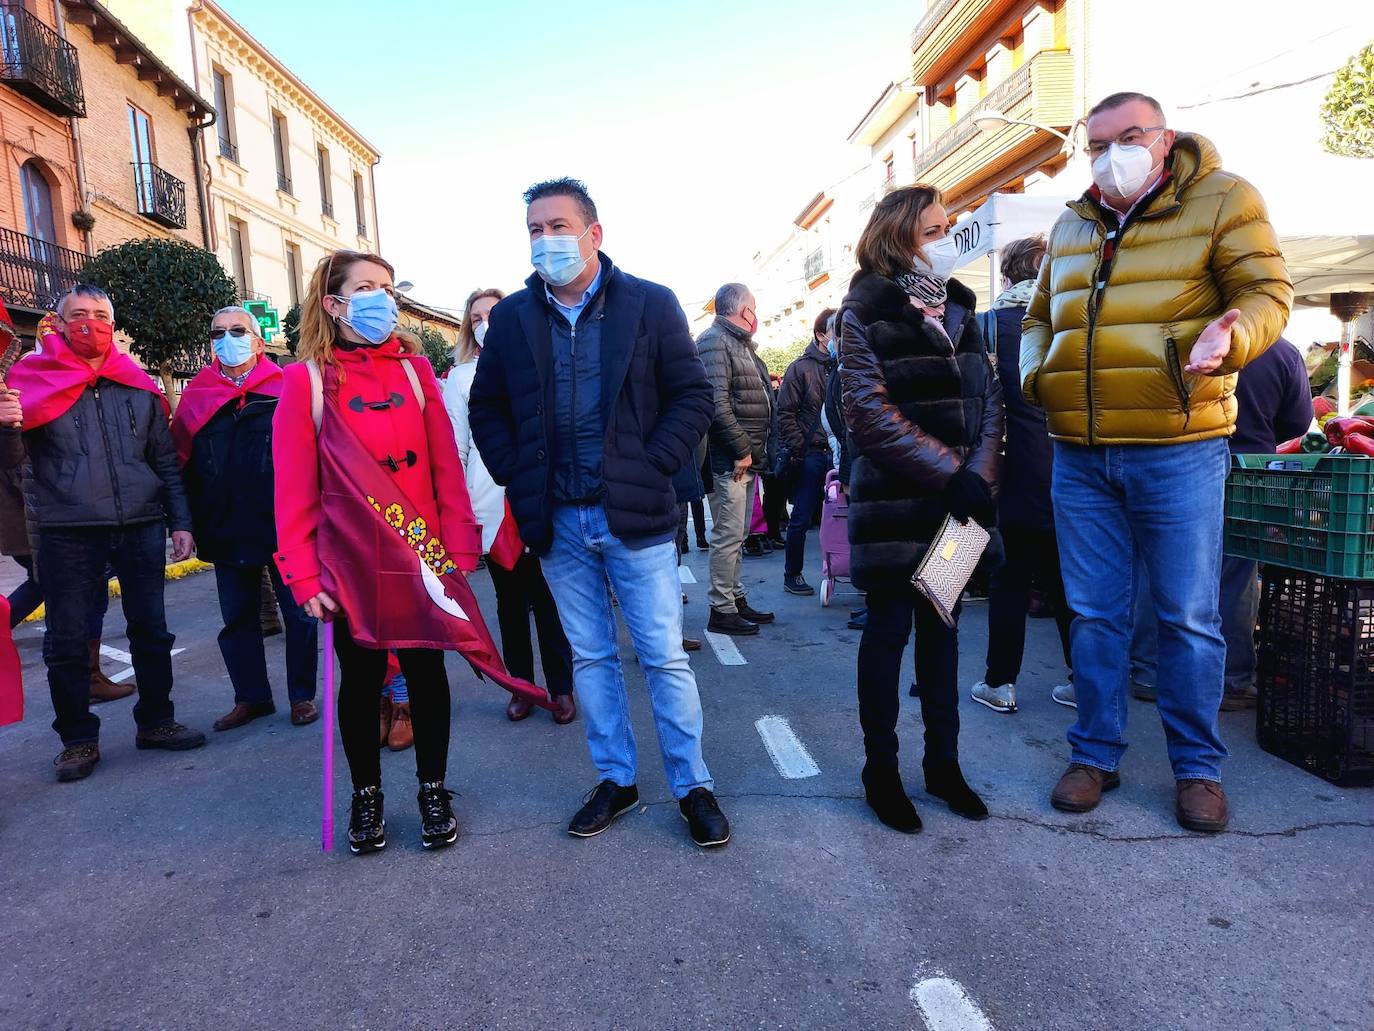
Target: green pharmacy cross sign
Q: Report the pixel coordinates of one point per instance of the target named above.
(267, 317)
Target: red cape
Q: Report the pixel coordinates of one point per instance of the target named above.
(210, 391)
(51, 378)
(11, 681)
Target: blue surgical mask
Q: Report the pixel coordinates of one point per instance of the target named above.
(232, 350)
(372, 314)
(558, 259)
(830, 346)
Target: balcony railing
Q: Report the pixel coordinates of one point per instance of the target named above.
(161, 195)
(284, 183)
(327, 206)
(253, 295)
(228, 149)
(38, 63)
(35, 273)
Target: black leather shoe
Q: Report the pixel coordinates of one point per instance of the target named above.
(366, 825)
(709, 827)
(731, 623)
(600, 808)
(752, 614)
(858, 620)
(753, 546)
(797, 585)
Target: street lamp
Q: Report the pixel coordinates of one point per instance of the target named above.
(992, 119)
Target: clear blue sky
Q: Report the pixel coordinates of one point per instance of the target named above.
(701, 129)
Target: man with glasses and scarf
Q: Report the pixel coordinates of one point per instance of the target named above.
(1160, 284)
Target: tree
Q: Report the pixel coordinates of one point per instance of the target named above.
(437, 350)
(291, 328)
(165, 292)
(779, 356)
(1347, 114)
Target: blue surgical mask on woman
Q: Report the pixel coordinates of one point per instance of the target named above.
(234, 351)
(372, 314)
(558, 259)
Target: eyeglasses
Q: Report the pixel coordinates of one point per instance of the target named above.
(1132, 137)
(233, 331)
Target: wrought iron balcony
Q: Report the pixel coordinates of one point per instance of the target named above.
(327, 206)
(38, 63)
(35, 273)
(228, 149)
(161, 195)
(284, 183)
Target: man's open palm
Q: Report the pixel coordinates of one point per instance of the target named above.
(1213, 344)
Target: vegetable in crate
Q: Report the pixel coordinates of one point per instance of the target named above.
(1336, 429)
(1315, 443)
(1322, 405)
(1359, 444)
(1289, 447)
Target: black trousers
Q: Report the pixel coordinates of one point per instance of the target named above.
(891, 618)
(1032, 557)
(518, 591)
(775, 493)
(362, 671)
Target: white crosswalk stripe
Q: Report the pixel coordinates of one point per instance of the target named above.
(725, 650)
(945, 1006)
(789, 755)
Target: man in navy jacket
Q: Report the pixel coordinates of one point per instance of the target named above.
(588, 398)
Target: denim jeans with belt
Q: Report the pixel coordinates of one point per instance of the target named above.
(240, 642)
(1162, 504)
(583, 557)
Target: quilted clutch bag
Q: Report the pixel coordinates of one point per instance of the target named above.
(944, 572)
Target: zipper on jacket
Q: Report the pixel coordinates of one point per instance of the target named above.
(109, 457)
(1180, 381)
(574, 476)
(133, 426)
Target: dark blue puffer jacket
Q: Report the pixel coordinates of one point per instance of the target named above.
(655, 406)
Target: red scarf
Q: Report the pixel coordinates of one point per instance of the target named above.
(52, 377)
(210, 391)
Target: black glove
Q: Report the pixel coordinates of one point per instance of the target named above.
(968, 496)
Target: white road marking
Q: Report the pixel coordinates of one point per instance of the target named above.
(725, 650)
(945, 1006)
(789, 755)
(125, 674)
(685, 576)
(116, 654)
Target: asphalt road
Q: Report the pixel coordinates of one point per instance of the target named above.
(189, 890)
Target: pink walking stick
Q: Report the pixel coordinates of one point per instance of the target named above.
(327, 795)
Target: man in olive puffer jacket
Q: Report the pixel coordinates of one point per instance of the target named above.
(1159, 285)
(740, 445)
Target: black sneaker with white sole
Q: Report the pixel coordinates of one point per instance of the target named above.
(600, 808)
(438, 825)
(366, 825)
(709, 827)
(797, 585)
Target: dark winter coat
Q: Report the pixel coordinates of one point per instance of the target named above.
(745, 413)
(656, 404)
(1273, 401)
(1024, 499)
(229, 484)
(917, 411)
(834, 414)
(800, 399)
(14, 536)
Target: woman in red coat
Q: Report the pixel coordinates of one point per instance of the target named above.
(364, 391)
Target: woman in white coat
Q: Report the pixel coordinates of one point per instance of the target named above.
(522, 587)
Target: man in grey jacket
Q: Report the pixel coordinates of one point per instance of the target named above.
(101, 486)
(740, 435)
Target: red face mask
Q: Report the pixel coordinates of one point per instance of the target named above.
(89, 338)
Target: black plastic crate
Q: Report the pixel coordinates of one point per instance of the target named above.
(1316, 674)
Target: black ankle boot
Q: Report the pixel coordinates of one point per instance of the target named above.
(945, 780)
(887, 798)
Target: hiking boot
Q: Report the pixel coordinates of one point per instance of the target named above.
(1201, 806)
(797, 585)
(304, 713)
(1081, 788)
(76, 762)
(242, 714)
(999, 699)
(731, 623)
(708, 825)
(1064, 695)
(887, 798)
(366, 823)
(402, 734)
(170, 735)
(438, 825)
(600, 808)
(751, 614)
(103, 689)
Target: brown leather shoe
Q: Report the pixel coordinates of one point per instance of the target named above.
(564, 709)
(304, 713)
(386, 721)
(1201, 806)
(1081, 787)
(103, 689)
(402, 734)
(519, 708)
(242, 714)
(691, 644)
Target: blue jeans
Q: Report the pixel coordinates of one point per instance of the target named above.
(806, 498)
(72, 572)
(1162, 505)
(240, 642)
(583, 556)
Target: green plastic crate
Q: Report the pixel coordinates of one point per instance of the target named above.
(1313, 513)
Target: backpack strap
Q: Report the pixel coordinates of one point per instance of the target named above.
(414, 383)
(317, 389)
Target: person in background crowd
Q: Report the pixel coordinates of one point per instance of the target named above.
(223, 433)
(774, 490)
(832, 418)
(14, 535)
(688, 490)
(801, 404)
(739, 437)
(1025, 515)
(377, 395)
(1160, 284)
(925, 418)
(587, 440)
(101, 487)
(398, 732)
(520, 589)
(1273, 404)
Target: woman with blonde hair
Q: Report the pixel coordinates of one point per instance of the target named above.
(365, 463)
(515, 573)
